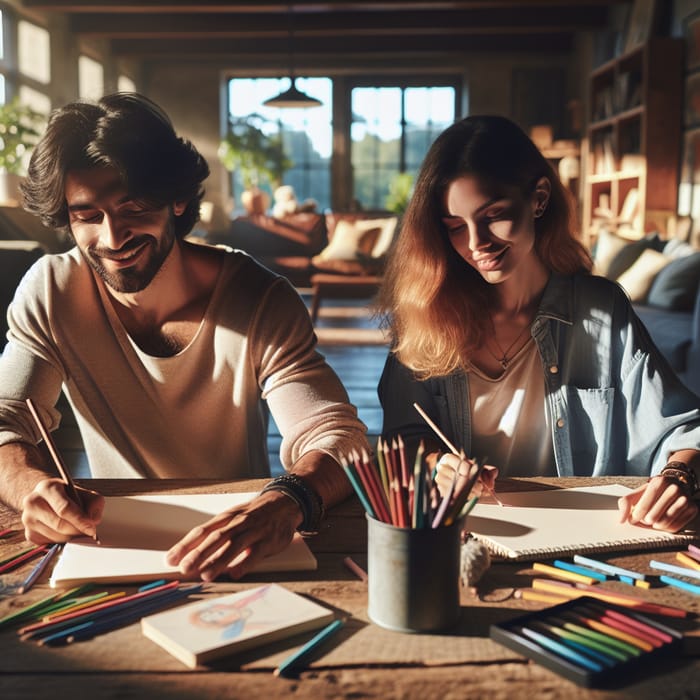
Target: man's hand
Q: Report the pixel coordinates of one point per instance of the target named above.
(660, 504)
(49, 515)
(237, 539)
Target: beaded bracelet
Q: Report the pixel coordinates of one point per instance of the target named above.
(309, 501)
(683, 475)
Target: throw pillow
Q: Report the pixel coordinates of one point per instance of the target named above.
(629, 253)
(607, 246)
(349, 238)
(638, 278)
(387, 228)
(676, 285)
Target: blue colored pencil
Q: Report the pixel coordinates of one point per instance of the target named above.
(299, 657)
(677, 583)
(607, 568)
(561, 650)
(673, 569)
(359, 490)
(38, 569)
(106, 621)
(584, 571)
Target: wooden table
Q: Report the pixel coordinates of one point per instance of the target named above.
(363, 660)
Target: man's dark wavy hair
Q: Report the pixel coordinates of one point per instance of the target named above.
(125, 131)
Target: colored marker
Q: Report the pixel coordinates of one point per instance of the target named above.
(568, 590)
(688, 561)
(607, 568)
(562, 573)
(584, 571)
(299, 657)
(673, 569)
(677, 583)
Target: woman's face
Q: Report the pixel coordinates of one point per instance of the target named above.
(494, 231)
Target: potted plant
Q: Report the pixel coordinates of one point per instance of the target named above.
(259, 158)
(400, 191)
(19, 131)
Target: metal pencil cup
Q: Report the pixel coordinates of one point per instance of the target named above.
(413, 576)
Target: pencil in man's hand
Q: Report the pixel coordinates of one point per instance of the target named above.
(71, 489)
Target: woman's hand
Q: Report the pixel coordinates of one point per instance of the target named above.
(49, 515)
(660, 504)
(448, 464)
(237, 539)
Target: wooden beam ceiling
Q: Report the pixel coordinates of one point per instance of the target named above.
(400, 28)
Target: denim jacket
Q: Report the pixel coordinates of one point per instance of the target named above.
(613, 404)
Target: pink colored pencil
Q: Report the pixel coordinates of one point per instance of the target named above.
(355, 568)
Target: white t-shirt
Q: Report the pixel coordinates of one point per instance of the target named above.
(509, 427)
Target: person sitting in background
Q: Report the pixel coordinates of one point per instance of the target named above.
(166, 349)
(509, 344)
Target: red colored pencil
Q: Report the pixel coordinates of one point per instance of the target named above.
(22, 557)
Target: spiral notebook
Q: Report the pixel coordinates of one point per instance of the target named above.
(558, 522)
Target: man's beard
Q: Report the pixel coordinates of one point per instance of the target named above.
(138, 277)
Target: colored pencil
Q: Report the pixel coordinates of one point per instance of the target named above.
(567, 590)
(71, 488)
(672, 569)
(24, 556)
(88, 628)
(539, 596)
(300, 657)
(451, 447)
(372, 495)
(355, 568)
(55, 455)
(382, 468)
(607, 568)
(359, 490)
(7, 532)
(38, 569)
(418, 487)
(100, 607)
(599, 651)
(678, 583)
(562, 573)
(688, 561)
(584, 571)
(694, 551)
(561, 649)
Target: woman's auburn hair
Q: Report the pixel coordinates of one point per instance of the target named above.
(433, 302)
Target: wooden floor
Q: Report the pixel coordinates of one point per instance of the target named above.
(352, 345)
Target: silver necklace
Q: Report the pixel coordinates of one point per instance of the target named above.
(504, 360)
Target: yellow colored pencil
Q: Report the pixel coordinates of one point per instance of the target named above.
(688, 561)
(562, 573)
(530, 594)
(82, 606)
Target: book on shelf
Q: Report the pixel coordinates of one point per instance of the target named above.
(136, 532)
(209, 629)
(558, 522)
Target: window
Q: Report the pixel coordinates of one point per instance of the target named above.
(306, 133)
(33, 52)
(391, 131)
(91, 81)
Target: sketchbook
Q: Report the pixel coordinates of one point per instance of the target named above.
(137, 531)
(563, 521)
(209, 629)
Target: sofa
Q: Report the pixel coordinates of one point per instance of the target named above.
(344, 244)
(662, 278)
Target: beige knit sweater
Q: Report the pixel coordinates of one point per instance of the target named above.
(196, 414)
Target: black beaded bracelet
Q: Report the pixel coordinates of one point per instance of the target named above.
(309, 501)
(683, 475)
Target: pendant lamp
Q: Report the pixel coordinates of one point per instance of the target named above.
(292, 97)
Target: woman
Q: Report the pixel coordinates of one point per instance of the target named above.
(509, 344)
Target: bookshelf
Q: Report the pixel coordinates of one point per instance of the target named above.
(634, 140)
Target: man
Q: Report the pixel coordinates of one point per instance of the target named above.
(165, 348)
